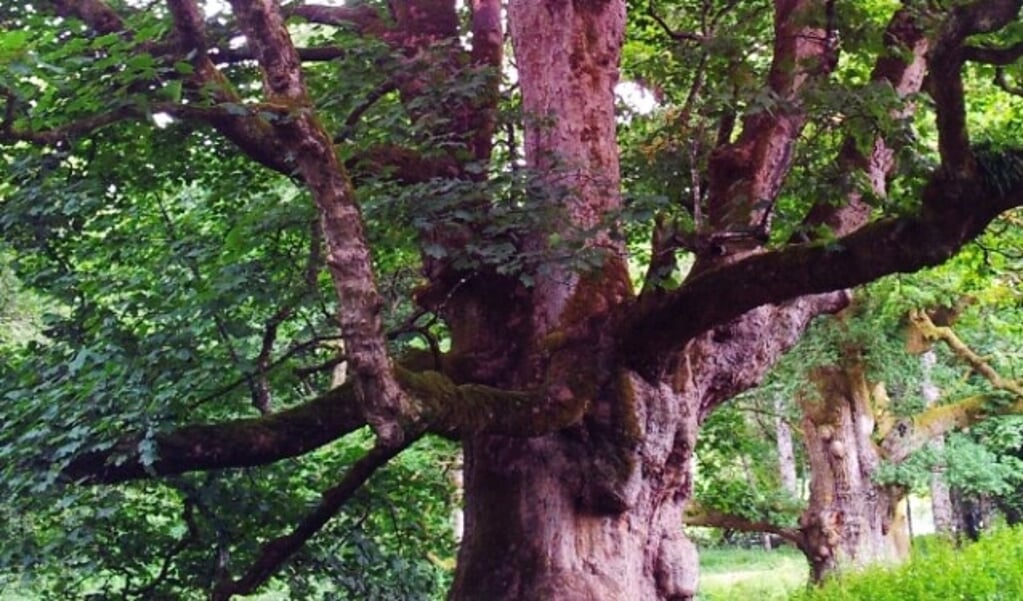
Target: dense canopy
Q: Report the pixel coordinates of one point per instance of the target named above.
(273, 245)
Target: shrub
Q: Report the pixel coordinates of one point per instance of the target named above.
(989, 570)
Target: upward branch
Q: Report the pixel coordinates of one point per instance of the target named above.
(348, 256)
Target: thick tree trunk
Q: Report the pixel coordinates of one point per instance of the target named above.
(851, 520)
(593, 511)
(583, 514)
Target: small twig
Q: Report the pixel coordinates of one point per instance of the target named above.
(371, 99)
(192, 534)
(309, 370)
(270, 367)
(1002, 81)
(678, 36)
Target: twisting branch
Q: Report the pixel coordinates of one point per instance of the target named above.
(274, 553)
(908, 436)
(930, 331)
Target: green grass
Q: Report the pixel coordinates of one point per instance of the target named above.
(733, 574)
(990, 570)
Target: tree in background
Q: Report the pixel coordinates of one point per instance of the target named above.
(866, 424)
(575, 389)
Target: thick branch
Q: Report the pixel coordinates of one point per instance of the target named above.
(907, 438)
(311, 55)
(94, 13)
(699, 515)
(446, 408)
(953, 214)
(274, 553)
(365, 19)
(241, 443)
(992, 55)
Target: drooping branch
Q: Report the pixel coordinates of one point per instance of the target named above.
(276, 552)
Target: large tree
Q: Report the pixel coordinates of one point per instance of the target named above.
(577, 393)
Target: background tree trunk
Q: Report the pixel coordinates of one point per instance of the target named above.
(941, 497)
(850, 520)
(786, 450)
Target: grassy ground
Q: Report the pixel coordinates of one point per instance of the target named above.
(732, 574)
